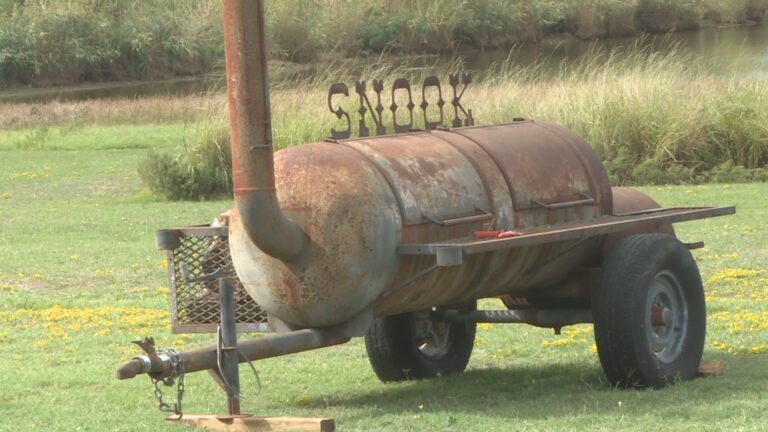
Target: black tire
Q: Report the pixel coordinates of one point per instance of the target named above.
(397, 352)
(650, 316)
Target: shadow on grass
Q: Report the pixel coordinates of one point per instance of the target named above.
(542, 392)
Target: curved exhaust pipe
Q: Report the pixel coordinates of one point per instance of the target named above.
(253, 171)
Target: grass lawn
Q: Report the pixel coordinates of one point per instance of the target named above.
(80, 279)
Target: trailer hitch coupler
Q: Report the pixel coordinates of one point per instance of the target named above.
(130, 369)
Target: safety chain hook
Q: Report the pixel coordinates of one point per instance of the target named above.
(176, 377)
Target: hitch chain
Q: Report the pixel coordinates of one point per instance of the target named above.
(176, 376)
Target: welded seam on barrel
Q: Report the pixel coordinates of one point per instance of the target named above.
(531, 258)
(589, 165)
(383, 173)
(487, 266)
(488, 192)
(503, 173)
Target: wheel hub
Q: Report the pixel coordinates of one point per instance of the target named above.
(435, 340)
(666, 320)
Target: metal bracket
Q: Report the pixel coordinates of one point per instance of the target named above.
(449, 256)
(148, 346)
(588, 200)
(219, 273)
(462, 220)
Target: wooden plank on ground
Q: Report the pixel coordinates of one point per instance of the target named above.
(713, 368)
(257, 424)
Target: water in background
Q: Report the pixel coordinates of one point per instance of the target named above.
(738, 52)
(733, 52)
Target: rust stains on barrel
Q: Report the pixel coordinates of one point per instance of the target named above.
(357, 200)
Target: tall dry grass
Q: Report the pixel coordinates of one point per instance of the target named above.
(652, 118)
(112, 111)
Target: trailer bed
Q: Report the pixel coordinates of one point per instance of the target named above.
(568, 231)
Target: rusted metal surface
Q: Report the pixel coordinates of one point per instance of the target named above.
(251, 132)
(529, 265)
(353, 221)
(367, 216)
(431, 178)
(508, 161)
(537, 317)
(628, 200)
(547, 164)
(356, 200)
(254, 349)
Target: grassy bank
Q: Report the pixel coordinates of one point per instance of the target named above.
(303, 31)
(653, 119)
(47, 42)
(81, 278)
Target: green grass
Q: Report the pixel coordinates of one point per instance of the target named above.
(100, 137)
(77, 250)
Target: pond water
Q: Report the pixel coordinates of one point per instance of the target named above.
(731, 52)
(739, 52)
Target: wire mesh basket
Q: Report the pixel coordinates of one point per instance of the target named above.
(193, 252)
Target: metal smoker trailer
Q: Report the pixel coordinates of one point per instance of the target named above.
(395, 237)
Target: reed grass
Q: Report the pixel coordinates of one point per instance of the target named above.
(49, 42)
(652, 118)
(304, 30)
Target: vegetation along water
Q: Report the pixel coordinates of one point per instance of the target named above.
(44, 42)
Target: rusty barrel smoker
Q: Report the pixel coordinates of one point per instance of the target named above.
(375, 237)
(357, 200)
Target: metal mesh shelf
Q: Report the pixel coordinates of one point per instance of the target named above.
(194, 305)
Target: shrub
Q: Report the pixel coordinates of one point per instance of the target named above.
(653, 172)
(197, 174)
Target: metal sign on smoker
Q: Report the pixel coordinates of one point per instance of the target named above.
(401, 85)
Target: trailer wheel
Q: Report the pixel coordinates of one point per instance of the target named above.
(650, 317)
(413, 346)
